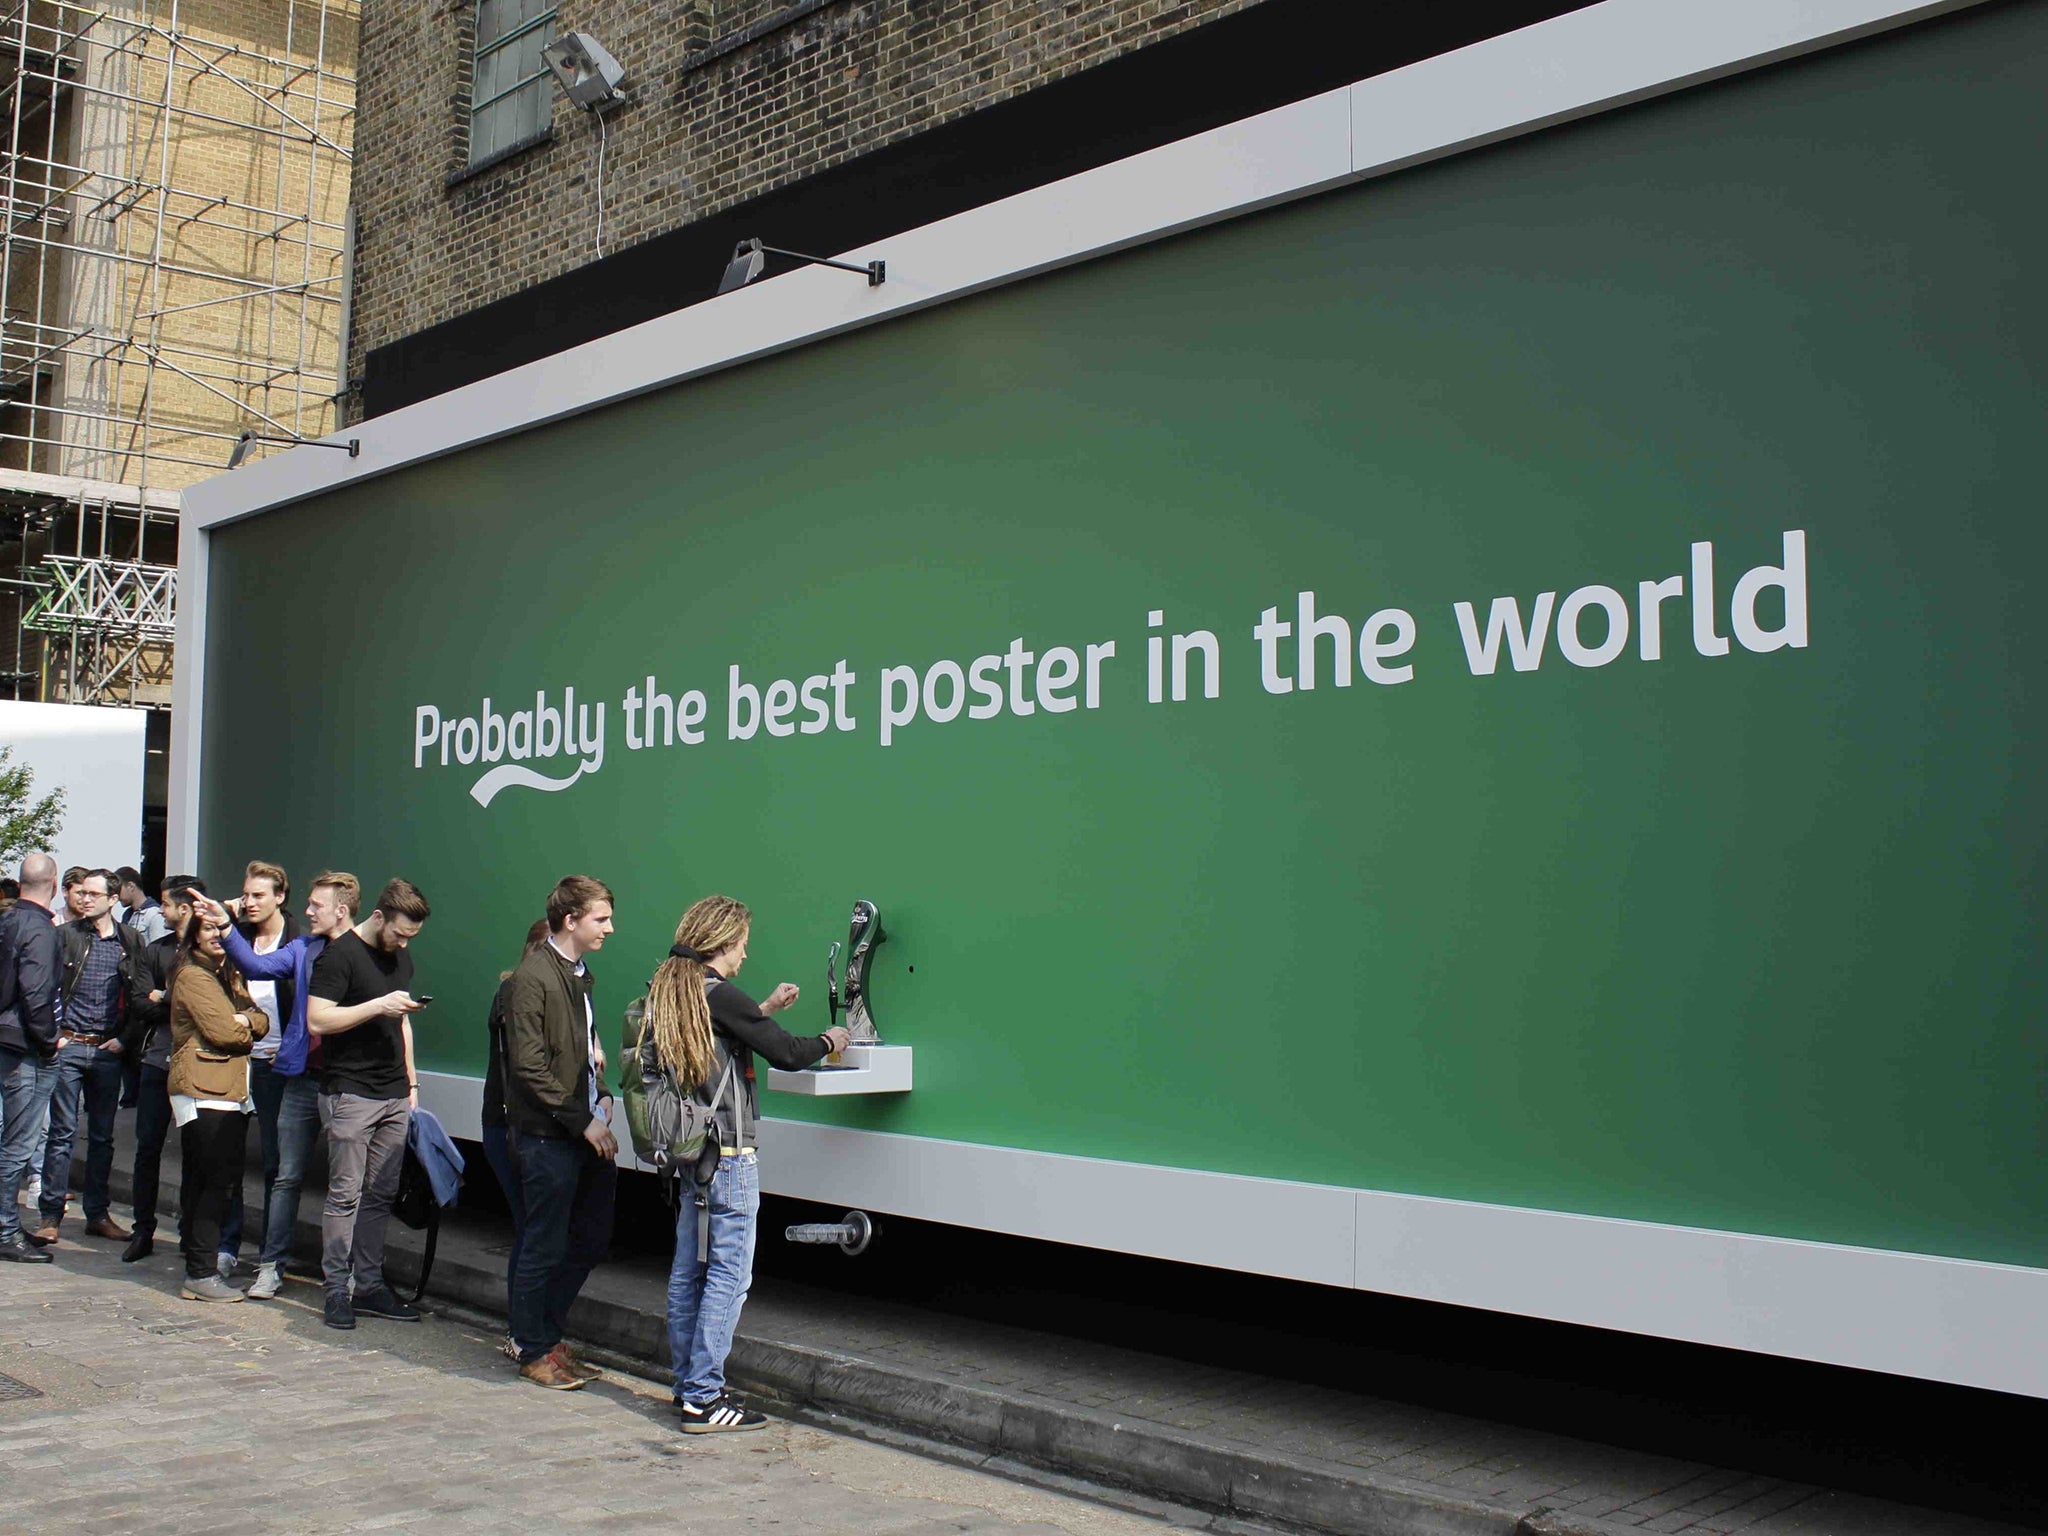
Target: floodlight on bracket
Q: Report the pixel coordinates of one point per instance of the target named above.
(591, 78)
(750, 256)
(588, 75)
(353, 447)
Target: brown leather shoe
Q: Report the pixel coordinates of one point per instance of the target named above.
(581, 1368)
(108, 1228)
(43, 1234)
(549, 1372)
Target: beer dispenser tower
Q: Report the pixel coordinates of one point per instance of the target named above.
(867, 1065)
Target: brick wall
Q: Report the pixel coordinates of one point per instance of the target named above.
(708, 124)
(200, 244)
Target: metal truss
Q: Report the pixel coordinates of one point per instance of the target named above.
(120, 598)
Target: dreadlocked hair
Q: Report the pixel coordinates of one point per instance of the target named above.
(677, 1011)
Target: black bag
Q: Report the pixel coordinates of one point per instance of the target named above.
(415, 1205)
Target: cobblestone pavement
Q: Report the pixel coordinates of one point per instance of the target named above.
(167, 1416)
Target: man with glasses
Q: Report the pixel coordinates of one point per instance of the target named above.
(106, 976)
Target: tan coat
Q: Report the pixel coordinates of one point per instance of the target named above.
(212, 1030)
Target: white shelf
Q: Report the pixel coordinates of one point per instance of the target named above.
(868, 1069)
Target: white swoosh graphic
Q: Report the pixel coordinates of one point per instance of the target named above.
(511, 775)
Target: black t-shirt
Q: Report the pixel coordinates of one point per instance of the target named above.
(739, 1025)
(368, 1060)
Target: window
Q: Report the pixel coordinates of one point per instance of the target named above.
(509, 99)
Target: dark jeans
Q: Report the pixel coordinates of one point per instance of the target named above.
(152, 1125)
(567, 1192)
(213, 1144)
(498, 1153)
(267, 1086)
(88, 1081)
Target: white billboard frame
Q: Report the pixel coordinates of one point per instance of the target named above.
(1954, 1320)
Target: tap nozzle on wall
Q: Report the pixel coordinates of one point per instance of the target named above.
(851, 1234)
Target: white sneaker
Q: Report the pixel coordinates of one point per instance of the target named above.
(269, 1281)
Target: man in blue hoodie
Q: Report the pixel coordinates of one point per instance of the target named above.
(330, 912)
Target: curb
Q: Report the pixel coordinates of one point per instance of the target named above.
(1083, 1451)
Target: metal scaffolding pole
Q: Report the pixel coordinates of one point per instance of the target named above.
(173, 248)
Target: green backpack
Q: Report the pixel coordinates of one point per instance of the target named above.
(672, 1131)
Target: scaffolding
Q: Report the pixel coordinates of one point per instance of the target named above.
(174, 188)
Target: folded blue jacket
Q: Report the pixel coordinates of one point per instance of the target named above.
(437, 1153)
(291, 961)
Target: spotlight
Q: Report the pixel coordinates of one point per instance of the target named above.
(353, 447)
(750, 256)
(588, 75)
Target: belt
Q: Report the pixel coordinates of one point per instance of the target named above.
(67, 1038)
(737, 1151)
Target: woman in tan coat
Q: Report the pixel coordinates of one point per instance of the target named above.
(213, 1024)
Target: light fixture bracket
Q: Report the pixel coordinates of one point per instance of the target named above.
(353, 447)
(749, 257)
(588, 75)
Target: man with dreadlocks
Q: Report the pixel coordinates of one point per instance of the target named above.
(705, 1031)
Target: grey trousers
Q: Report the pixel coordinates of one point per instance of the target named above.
(365, 1153)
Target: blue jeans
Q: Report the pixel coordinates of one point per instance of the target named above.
(704, 1300)
(152, 1125)
(88, 1079)
(498, 1153)
(287, 1147)
(267, 1086)
(567, 1192)
(26, 1082)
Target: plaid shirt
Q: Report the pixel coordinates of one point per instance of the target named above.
(96, 1002)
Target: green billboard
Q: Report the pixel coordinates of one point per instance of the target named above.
(1516, 682)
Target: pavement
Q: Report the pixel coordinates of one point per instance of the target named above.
(1197, 1446)
(123, 1409)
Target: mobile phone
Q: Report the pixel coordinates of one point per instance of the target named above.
(424, 998)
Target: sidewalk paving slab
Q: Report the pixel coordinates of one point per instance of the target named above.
(1157, 1434)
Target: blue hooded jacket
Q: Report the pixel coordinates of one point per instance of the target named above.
(291, 961)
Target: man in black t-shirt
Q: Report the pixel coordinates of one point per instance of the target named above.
(358, 1003)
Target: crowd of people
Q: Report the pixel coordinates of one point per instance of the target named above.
(209, 1014)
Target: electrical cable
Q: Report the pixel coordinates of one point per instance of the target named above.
(599, 115)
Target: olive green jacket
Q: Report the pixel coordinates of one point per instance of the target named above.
(547, 1047)
(212, 1028)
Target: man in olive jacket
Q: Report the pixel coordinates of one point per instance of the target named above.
(558, 1130)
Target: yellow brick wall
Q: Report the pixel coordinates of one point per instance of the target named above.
(220, 201)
